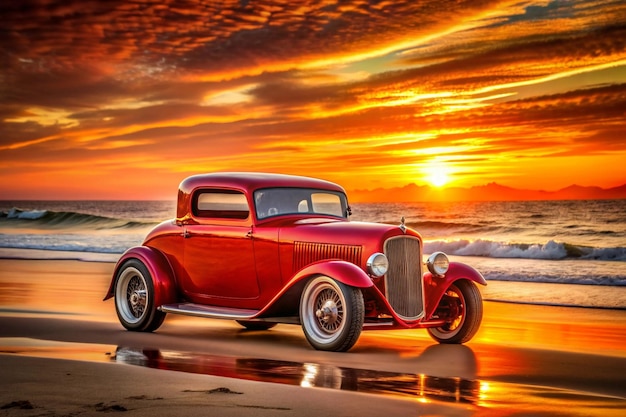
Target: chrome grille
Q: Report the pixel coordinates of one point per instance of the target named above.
(403, 282)
(306, 253)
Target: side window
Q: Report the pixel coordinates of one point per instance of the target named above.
(224, 204)
(327, 203)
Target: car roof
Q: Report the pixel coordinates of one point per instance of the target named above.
(250, 181)
(247, 182)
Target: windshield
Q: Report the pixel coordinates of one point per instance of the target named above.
(279, 201)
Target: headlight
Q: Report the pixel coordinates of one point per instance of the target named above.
(438, 263)
(377, 264)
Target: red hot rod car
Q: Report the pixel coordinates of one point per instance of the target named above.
(264, 249)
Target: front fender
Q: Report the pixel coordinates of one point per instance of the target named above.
(344, 272)
(439, 285)
(286, 301)
(159, 268)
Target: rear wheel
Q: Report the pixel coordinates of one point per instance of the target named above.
(464, 303)
(134, 298)
(331, 314)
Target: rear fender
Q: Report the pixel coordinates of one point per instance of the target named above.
(159, 268)
(439, 285)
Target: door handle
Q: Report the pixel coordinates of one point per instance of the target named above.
(249, 234)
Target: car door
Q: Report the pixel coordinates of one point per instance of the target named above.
(218, 250)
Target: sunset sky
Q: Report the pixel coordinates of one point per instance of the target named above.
(123, 99)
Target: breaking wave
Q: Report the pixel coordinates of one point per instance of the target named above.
(551, 250)
(48, 219)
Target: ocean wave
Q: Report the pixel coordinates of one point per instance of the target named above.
(66, 219)
(65, 247)
(451, 228)
(16, 213)
(551, 250)
(433, 224)
(446, 228)
(72, 242)
(559, 278)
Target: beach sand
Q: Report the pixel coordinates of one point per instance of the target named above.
(62, 352)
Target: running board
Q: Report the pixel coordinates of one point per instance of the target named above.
(199, 310)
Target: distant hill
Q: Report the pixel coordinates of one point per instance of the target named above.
(488, 192)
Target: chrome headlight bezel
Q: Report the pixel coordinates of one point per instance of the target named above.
(377, 264)
(438, 263)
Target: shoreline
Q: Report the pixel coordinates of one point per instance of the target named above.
(41, 288)
(587, 296)
(530, 358)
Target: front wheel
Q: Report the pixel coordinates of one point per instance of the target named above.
(134, 298)
(464, 303)
(331, 314)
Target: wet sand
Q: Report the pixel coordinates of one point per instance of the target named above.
(62, 352)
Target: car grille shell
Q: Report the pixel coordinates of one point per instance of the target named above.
(403, 282)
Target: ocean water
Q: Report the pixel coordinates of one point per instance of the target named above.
(543, 252)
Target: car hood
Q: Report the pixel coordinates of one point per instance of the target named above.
(341, 232)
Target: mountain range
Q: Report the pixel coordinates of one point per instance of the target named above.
(488, 192)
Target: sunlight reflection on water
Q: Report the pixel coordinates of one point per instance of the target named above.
(485, 396)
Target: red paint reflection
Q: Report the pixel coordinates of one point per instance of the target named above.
(420, 386)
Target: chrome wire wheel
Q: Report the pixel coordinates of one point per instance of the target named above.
(131, 295)
(331, 314)
(328, 306)
(135, 298)
(466, 297)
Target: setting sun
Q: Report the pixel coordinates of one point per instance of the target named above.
(437, 175)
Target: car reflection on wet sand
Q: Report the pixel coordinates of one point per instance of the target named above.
(419, 386)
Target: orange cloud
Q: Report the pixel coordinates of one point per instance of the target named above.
(354, 91)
